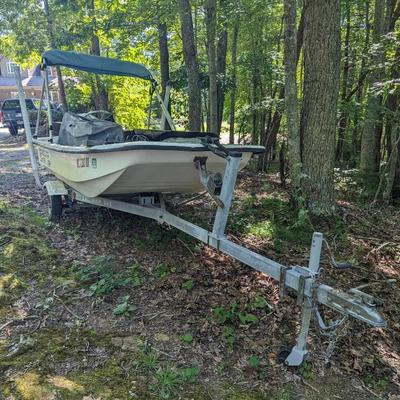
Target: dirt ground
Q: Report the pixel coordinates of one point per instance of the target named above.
(106, 305)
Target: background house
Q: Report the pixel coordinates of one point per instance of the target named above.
(32, 81)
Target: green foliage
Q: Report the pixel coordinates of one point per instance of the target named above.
(223, 315)
(45, 304)
(271, 218)
(169, 378)
(79, 94)
(247, 319)
(259, 302)
(253, 361)
(129, 102)
(379, 384)
(134, 275)
(187, 338)
(124, 307)
(187, 285)
(228, 335)
(100, 275)
(305, 370)
(147, 358)
(189, 374)
(164, 270)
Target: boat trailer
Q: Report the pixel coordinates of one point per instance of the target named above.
(303, 280)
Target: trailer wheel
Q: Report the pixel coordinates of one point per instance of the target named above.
(55, 208)
(13, 130)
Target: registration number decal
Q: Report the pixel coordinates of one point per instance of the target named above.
(82, 162)
(44, 157)
(86, 162)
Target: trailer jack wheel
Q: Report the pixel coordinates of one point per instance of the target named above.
(283, 357)
(283, 354)
(55, 208)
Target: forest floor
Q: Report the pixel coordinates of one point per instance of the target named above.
(106, 305)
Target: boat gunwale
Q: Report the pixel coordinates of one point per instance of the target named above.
(126, 146)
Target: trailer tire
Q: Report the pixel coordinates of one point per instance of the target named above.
(55, 208)
(13, 130)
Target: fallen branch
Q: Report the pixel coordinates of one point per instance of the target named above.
(309, 385)
(17, 320)
(67, 308)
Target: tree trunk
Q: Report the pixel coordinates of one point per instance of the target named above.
(321, 83)
(164, 56)
(235, 35)
(360, 89)
(290, 61)
(61, 88)
(273, 127)
(393, 130)
(392, 162)
(222, 46)
(346, 67)
(369, 158)
(192, 69)
(164, 61)
(211, 24)
(101, 96)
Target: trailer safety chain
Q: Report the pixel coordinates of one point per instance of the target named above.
(340, 330)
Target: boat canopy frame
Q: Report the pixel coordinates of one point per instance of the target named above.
(103, 66)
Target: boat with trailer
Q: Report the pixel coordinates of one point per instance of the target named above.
(95, 162)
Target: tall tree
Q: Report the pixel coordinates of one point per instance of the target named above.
(235, 35)
(370, 141)
(60, 82)
(164, 60)
(222, 47)
(191, 65)
(98, 88)
(211, 25)
(290, 61)
(274, 123)
(345, 78)
(320, 96)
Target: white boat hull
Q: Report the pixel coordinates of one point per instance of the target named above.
(130, 168)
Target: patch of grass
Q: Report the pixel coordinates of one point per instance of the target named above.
(272, 219)
(169, 378)
(147, 358)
